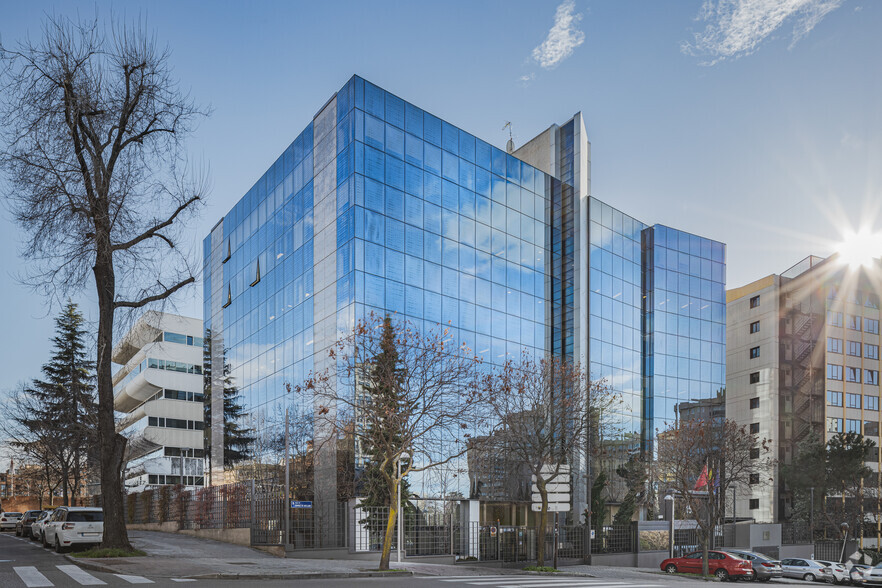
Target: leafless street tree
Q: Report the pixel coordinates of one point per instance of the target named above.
(92, 122)
(544, 410)
(700, 460)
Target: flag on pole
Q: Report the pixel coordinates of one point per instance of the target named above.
(702, 479)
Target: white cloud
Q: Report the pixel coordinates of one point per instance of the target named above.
(527, 78)
(563, 37)
(737, 27)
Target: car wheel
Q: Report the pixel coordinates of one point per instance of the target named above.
(751, 577)
(722, 574)
(671, 569)
(766, 579)
(58, 547)
(43, 541)
(809, 577)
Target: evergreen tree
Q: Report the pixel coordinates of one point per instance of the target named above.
(64, 415)
(237, 439)
(383, 391)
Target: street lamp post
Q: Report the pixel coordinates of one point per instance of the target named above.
(404, 455)
(670, 500)
(844, 528)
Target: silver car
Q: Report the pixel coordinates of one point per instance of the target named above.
(873, 576)
(764, 567)
(802, 568)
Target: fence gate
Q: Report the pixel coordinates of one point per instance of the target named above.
(267, 513)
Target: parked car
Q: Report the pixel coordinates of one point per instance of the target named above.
(805, 569)
(8, 520)
(23, 526)
(857, 572)
(73, 525)
(834, 572)
(719, 563)
(873, 576)
(37, 526)
(764, 567)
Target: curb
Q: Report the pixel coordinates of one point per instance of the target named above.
(302, 576)
(97, 567)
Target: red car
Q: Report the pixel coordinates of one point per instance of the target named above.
(724, 566)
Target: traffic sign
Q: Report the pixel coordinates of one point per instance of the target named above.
(301, 504)
(493, 531)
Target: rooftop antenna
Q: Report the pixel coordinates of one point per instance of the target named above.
(509, 147)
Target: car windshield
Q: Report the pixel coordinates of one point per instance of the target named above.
(88, 516)
(12, 515)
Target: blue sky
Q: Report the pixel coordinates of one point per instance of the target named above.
(756, 124)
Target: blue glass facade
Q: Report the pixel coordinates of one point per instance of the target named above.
(381, 206)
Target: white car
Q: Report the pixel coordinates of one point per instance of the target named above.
(73, 525)
(834, 572)
(37, 526)
(8, 520)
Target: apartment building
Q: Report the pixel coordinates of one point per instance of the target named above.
(158, 395)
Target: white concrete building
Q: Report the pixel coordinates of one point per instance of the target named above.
(158, 396)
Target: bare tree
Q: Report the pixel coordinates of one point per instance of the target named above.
(93, 124)
(699, 460)
(411, 396)
(545, 408)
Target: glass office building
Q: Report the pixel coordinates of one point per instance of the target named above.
(381, 206)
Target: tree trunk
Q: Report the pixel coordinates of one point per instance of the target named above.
(390, 530)
(111, 444)
(704, 566)
(543, 522)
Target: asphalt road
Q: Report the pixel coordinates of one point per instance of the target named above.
(25, 564)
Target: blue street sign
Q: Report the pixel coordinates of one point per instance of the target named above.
(301, 504)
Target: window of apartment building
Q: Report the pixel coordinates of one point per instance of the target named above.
(834, 345)
(834, 319)
(754, 453)
(754, 478)
(852, 322)
(834, 424)
(755, 301)
(754, 327)
(754, 377)
(871, 351)
(852, 426)
(834, 372)
(871, 403)
(834, 398)
(754, 402)
(872, 300)
(754, 428)
(871, 326)
(852, 374)
(754, 503)
(871, 377)
(871, 428)
(832, 292)
(754, 352)
(853, 348)
(852, 400)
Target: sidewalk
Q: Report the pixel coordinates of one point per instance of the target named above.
(170, 555)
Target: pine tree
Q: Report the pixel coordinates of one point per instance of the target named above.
(382, 389)
(65, 414)
(237, 439)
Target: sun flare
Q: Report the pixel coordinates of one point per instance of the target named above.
(861, 248)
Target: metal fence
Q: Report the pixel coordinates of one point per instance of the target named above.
(214, 507)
